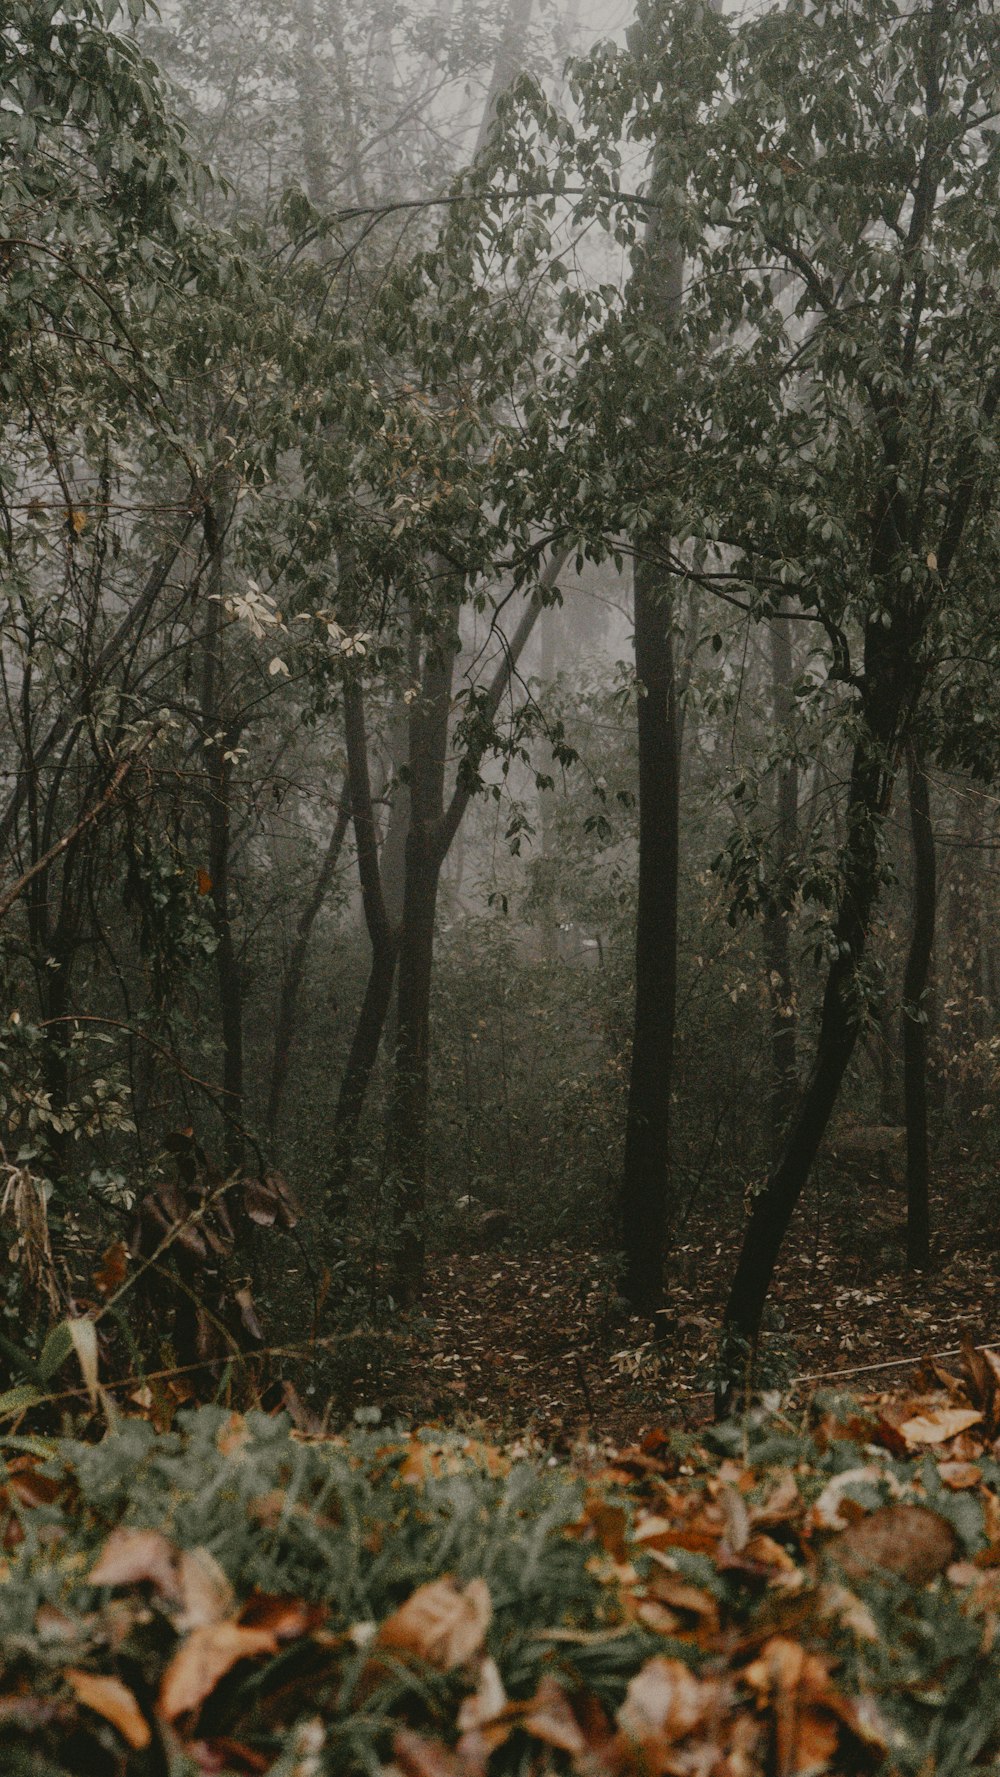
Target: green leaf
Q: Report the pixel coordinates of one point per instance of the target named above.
(17, 1400)
(55, 1351)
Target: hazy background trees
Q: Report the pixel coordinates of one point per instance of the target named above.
(325, 476)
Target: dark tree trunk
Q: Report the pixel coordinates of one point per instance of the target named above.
(292, 981)
(918, 1229)
(360, 1065)
(218, 800)
(840, 1023)
(645, 1190)
(426, 849)
(777, 949)
(383, 932)
(645, 1181)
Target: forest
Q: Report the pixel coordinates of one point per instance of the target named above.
(499, 813)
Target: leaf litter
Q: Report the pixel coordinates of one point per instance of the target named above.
(765, 1599)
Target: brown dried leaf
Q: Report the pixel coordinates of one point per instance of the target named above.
(910, 1540)
(110, 1698)
(795, 1685)
(248, 1312)
(417, 1757)
(285, 1618)
(488, 1700)
(663, 1703)
(203, 1658)
(206, 1595)
(829, 1511)
(442, 1623)
(138, 1557)
(548, 1717)
(960, 1475)
(938, 1424)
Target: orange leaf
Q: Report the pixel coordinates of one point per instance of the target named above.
(205, 883)
(203, 1658)
(284, 1618)
(442, 1623)
(113, 1700)
(110, 1273)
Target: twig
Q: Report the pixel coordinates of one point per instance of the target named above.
(92, 814)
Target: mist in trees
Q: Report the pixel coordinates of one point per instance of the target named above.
(500, 738)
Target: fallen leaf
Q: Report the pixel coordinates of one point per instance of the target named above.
(663, 1703)
(138, 1557)
(222, 1757)
(53, 1625)
(910, 1540)
(110, 1698)
(442, 1623)
(284, 1618)
(795, 1686)
(548, 1717)
(827, 1511)
(488, 1700)
(203, 1658)
(417, 1757)
(939, 1424)
(960, 1475)
(205, 1593)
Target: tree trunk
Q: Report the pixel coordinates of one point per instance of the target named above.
(228, 967)
(645, 1180)
(292, 982)
(842, 1014)
(918, 1232)
(777, 949)
(425, 854)
(645, 1189)
(383, 932)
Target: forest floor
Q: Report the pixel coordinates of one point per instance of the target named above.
(526, 1340)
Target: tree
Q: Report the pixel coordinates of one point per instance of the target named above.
(829, 401)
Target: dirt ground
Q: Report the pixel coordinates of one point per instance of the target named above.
(539, 1341)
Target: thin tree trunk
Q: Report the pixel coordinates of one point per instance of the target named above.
(229, 972)
(425, 855)
(315, 159)
(645, 1178)
(546, 801)
(840, 1023)
(383, 931)
(292, 982)
(777, 948)
(918, 1231)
